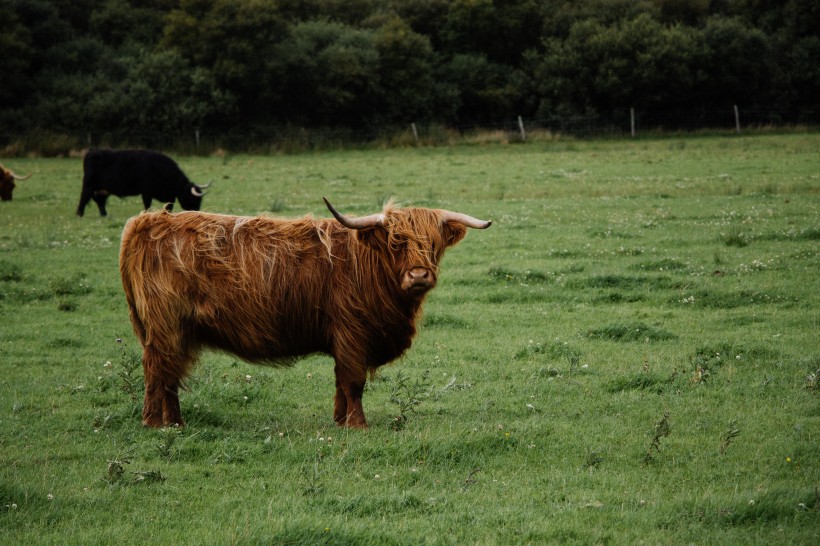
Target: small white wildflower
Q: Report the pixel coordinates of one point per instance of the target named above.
(248, 378)
(751, 502)
(585, 366)
(281, 434)
(377, 476)
(50, 496)
(107, 364)
(245, 398)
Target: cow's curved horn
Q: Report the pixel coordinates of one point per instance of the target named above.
(13, 174)
(206, 186)
(356, 223)
(465, 219)
(196, 192)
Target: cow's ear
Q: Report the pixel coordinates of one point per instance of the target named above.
(453, 232)
(373, 237)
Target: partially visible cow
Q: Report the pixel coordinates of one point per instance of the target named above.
(7, 178)
(136, 172)
(271, 290)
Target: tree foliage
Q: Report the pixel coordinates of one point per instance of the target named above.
(131, 67)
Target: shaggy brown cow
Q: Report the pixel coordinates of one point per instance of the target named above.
(270, 290)
(7, 178)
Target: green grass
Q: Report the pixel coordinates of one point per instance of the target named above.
(611, 291)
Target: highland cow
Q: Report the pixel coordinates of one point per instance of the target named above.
(271, 290)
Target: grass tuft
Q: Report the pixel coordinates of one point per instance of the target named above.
(734, 236)
(636, 332)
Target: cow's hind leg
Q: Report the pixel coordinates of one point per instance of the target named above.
(100, 199)
(161, 406)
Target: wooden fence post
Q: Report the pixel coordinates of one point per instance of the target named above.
(415, 132)
(632, 121)
(521, 128)
(737, 119)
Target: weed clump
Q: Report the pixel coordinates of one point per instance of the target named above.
(10, 272)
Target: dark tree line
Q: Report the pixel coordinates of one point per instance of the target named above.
(131, 67)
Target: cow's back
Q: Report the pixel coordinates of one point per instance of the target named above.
(257, 287)
(134, 172)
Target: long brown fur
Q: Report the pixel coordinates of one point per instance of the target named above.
(271, 290)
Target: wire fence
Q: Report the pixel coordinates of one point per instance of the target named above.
(284, 139)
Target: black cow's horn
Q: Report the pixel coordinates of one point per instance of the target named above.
(206, 186)
(196, 192)
(356, 223)
(465, 219)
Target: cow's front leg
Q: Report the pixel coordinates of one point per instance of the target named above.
(171, 414)
(347, 409)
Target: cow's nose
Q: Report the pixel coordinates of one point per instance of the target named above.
(419, 274)
(418, 279)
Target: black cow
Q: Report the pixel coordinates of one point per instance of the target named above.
(136, 172)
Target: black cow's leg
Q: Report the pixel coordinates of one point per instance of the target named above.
(100, 199)
(146, 201)
(85, 197)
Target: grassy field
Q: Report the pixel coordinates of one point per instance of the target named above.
(629, 355)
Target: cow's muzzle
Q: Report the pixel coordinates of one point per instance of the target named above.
(418, 280)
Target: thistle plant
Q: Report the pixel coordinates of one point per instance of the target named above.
(407, 396)
(129, 372)
(662, 429)
(728, 436)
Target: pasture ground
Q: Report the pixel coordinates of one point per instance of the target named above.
(629, 355)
